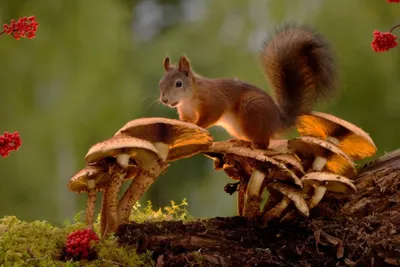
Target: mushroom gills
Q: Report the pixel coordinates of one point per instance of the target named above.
(252, 196)
(162, 148)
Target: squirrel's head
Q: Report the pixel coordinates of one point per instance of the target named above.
(176, 84)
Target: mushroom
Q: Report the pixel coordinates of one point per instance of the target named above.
(123, 148)
(291, 161)
(352, 140)
(257, 166)
(324, 155)
(325, 181)
(288, 194)
(173, 139)
(91, 179)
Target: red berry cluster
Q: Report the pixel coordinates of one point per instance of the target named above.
(9, 142)
(384, 41)
(24, 27)
(80, 242)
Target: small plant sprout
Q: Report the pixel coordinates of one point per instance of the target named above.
(352, 140)
(126, 150)
(323, 182)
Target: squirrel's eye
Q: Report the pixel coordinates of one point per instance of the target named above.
(178, 84)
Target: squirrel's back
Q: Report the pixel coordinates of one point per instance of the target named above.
(300, 68)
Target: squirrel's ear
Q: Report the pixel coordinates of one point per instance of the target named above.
(166, 63)
(184, 65)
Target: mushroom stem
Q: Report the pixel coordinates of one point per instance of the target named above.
(276, 211)
(123, 160)
(333, 140)
(139, 185)
(91, 202)
(103, 213)
(252, 196)
(319, 192)
(319, 163)
(240, 199)
(117, 177)
(162, 148)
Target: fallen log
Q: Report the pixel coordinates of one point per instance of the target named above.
(358, 230)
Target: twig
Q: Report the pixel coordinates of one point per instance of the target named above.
(36, 259)
(113, 262)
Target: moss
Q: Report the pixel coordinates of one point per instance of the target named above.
(39, 243)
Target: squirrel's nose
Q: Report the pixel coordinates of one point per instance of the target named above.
(164, 100)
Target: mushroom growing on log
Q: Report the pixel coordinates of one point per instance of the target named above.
(255, 163)
(352, 140)
(361, 229)
(124, 149)
(323, 182)
(287, 194)
(91, 179)
(173, 139)
(323, 155)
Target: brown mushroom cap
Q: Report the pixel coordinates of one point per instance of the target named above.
(254, 157)
(137, 148)
(333, 182)
(294, 194)
(291, 161)
(337, 162)
(354, 141)
(78, 183)
(184, 139)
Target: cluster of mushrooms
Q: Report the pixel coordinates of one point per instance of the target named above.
(296, 173)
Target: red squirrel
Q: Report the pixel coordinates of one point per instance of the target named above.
(299, 66)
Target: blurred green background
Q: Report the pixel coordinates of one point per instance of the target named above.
(95, 65)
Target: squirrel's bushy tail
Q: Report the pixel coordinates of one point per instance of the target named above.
(300, 68)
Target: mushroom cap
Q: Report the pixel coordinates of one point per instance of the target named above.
(294, 194)
(354, 141)
(333, 182)
(248, 159)
(337, 161)
(291, 161)
(118, 144)
(78, 183)
(184, 139)
(280, 145)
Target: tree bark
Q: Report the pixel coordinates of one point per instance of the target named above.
(357, 230)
